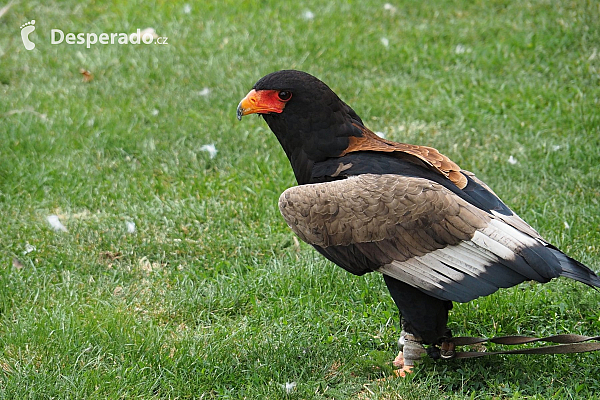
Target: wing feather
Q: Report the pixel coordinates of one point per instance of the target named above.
(420, 232)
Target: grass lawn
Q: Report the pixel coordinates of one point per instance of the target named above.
(210, 296)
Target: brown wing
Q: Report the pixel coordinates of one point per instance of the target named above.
(418, 232)
(370, 208)
(428, 155)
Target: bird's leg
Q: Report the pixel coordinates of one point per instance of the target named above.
(411, 350)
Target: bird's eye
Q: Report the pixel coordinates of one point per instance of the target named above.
(284, 95)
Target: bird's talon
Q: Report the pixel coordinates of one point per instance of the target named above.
(407, 369)
(399, 360)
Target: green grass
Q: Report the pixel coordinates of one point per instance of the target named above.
(211, 297)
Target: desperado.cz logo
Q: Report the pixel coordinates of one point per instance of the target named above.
(147, 36)
(57, 36)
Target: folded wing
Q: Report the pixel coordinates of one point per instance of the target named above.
(421, 233)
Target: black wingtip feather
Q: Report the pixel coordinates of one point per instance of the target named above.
(573, 269)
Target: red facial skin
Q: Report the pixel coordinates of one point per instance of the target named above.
(263, 102)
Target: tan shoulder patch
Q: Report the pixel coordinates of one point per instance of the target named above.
(430, 156)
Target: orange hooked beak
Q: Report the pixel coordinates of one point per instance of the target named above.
(260, 102)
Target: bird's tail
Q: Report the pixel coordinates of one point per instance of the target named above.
(573, 269)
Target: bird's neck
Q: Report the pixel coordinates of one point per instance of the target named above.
(307, 142)
(301, 161)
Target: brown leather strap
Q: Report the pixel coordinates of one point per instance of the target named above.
(513, 340)
(567, 344)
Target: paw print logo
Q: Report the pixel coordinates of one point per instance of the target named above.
(26, 29)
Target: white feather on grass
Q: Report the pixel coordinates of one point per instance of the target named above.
(389, 7)
(130, 226)
(55, 223)
(288, 387)
(210, 149)
(308, 15)
(204, 92)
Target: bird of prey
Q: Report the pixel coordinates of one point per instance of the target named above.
(436, 232)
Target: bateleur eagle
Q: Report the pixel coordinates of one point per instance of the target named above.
(436, 232)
